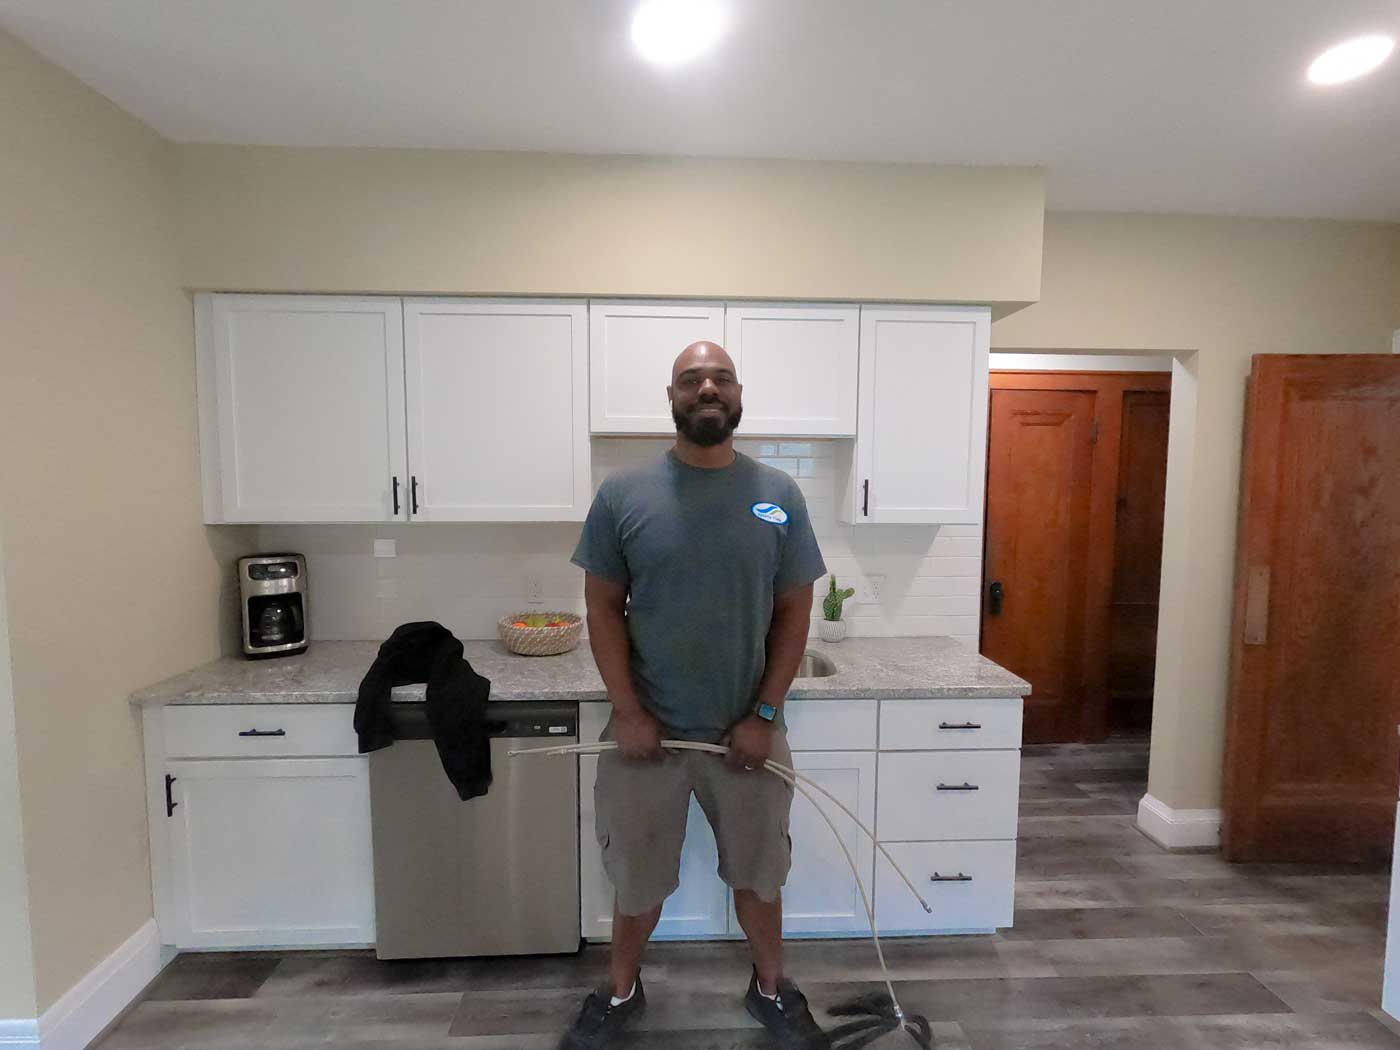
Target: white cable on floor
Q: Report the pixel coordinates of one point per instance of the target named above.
(799, 783)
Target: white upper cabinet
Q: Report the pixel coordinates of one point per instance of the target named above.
(632, 347)
(798, 364)
(497, 409)
(301, 407)
(921, 443)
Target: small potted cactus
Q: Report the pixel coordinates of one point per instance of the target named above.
(831, 627)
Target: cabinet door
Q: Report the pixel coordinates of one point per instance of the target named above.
(632, 347)
(698, 908)
(798, 365)
(301, 408)
(497, 410)
(821, 895)
(267, 852)
(921, 441)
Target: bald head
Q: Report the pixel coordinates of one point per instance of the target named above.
(706, 398)
(703, 355)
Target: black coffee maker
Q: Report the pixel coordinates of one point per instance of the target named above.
(272, 593)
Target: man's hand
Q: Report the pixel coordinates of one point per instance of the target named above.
(638, 735)
(750, 742)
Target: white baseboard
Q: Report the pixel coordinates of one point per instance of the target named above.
(1178, 828)
(95, 1001)
(19, 1033)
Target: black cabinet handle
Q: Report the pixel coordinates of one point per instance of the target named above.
(964, 786)
(995, 593)
(959, 725)
(396, 495)
(263, 732)
(413, 493)
(959, 877)
(865, 499)
(170, 802)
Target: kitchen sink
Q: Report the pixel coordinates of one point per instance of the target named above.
(815, 665)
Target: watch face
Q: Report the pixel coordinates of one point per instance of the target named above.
(767, 712)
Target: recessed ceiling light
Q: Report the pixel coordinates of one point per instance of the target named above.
(669, 32)
(1350, 59)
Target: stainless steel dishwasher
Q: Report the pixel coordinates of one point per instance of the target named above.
(496, 875)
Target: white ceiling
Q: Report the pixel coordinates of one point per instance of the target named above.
(1130, 105)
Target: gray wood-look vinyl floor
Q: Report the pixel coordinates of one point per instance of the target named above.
(1117, 944)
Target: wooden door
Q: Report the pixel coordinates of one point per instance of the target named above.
(271, 851)
(632, 346)
(1075, 482)
(798, 364)
(1311, 750)
(1037, 551)
(302, 408)
(1137, 557)
(497, 394)
(920, 448)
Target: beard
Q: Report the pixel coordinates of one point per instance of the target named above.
(706, 431)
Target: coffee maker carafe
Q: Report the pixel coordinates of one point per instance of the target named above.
(272, 593)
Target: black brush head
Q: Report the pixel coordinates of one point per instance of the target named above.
(873, 1015)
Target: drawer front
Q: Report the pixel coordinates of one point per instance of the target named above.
(259, 730)
(831, 725)
(969, 885)
(947, 795)
(946, 725)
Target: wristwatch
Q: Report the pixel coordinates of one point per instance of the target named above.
(767, 712)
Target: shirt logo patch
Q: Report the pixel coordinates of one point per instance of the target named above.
(770, 512)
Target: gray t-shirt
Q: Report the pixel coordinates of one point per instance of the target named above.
(702, 552)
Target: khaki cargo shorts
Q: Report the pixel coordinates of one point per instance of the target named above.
(641, 815)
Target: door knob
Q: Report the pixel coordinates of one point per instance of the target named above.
(995, 594)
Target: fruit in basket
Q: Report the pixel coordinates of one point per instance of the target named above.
(539, 620)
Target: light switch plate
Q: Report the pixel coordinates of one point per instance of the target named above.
(386, 548)
(534, 590)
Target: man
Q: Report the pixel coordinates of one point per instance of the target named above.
(716, 554)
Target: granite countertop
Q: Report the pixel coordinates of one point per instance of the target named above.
(330, 673)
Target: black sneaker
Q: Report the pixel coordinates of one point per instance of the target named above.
(787, 1019)
(599, 1021)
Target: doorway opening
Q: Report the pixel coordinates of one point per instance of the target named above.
(1076, 487)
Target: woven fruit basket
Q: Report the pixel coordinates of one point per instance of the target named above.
(541, 640)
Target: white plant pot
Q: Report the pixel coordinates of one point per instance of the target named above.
(831, 630)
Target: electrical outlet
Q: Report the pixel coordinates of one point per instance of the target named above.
(868, 589)
(534, 590)
(386, 548)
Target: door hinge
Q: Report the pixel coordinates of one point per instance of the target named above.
(1094, 432)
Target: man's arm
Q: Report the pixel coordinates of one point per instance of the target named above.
(750, 741)
(638, 733)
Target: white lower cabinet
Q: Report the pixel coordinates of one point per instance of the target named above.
(821, 896)
(958, 844)
(269, 852)
(260, 826)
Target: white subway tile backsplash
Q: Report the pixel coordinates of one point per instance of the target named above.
(787, 466)
(468, 575)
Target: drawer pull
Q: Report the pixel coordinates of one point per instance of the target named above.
(263, 732)
(964, 786)
(959, 725)
(959, 877)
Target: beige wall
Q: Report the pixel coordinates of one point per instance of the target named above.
(16, 950)
(260, 219)
(1224, 289)
(98, 479)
